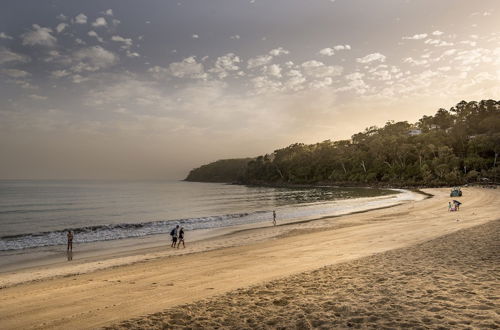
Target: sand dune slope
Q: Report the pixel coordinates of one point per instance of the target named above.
(107, 296)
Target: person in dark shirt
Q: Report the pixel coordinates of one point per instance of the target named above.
(181, 238)
(174, 233)
(70, 241)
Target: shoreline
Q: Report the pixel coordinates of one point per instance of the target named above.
(104, 297)
(137, 249)
(13, 239)
(371, 185)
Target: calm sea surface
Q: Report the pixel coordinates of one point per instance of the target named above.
(36, 213)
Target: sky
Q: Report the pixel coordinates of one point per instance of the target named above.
(122, 89)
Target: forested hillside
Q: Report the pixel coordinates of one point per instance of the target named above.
(225, 170)
(452, 147)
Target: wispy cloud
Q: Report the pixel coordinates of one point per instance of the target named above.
(100, 22)
(374, 57)
(81, 19)
(416, 36)
(41, 36)
(3, 35)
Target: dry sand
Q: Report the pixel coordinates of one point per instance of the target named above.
(107, 296)
(450, 282)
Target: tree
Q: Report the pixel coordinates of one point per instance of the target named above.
(455, 146)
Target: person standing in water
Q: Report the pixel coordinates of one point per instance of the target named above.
(274, 218)
(181, 238)
(70, 241)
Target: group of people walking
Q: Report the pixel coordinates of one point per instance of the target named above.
(177, 237)
(176, 233)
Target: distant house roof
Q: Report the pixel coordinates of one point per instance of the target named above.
(413, 132)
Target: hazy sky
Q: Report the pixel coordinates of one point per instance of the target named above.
(149, 89)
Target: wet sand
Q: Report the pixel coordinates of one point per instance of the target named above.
(103, 297)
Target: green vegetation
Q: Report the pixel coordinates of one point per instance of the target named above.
(225, 170)
(455, 146)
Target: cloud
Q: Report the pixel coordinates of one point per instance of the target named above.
(226, 63)
(195, 36)
(477, 56)
(355, 83)
(7, 56)
(37, 97)
(273, 70)
(279, 51)
(109, 12)
(342, 47)
(81, 19)
(331, 51)
(127, 42)
(5, 36)
(415, 62)
(100, 21)
(321, 83)
(438, 43)
(485, 13)
(416, 37)
(93, 59)
(469, 42)
(187, 68)
(94, 34)
(77, 79)
(371, 58)
(354, 76)
(263, 85)
(437, 33)
(327, 52)
(60, 73)
(39, 36)
(383, 75)
(24, 84)
(258, 61)
(318, 69)
(15, 73)
(132, 54)
(235, 37)
(60, 27)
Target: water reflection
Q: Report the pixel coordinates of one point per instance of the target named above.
(69, 255)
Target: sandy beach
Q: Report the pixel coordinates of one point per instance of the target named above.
(414, 265)
(449, 282)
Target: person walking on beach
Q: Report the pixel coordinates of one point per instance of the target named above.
(174, 234)
(181, 238)
(70, 241)
(274, 218)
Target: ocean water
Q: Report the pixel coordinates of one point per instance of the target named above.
(37, 213)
